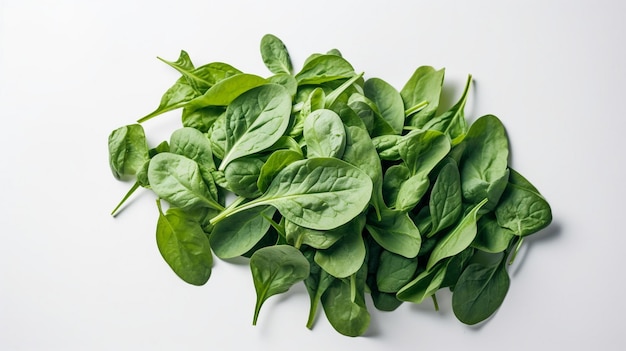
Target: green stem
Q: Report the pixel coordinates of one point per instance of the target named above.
(312, 312)
(128, 194)
(434, 297)
(520, 241)
(415, 108)
(230, 209)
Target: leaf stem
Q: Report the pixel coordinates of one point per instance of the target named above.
(128, 194)
(520, 241)
(415, 108)
(435, 303)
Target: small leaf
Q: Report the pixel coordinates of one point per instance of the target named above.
(184, 246)
(274, 270)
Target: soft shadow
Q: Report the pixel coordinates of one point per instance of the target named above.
(546, 235)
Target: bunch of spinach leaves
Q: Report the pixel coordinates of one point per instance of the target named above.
(340, 182)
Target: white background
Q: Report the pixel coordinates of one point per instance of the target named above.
(74, 278)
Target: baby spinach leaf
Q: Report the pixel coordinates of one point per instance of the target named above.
(178, 180)
(324, 68)
(255, 120)
(360, 152)
(424, 285)
(128, 150)
(347, 255)
(184, 246)
(237, 234)
(445, 198)
(193, 144)
(458, 239)
(202, 118)
(278, 160)
(324, 134)
(275, 55)
(226, 90)
(318, 193)
(394, 271)
(388, 102)
(490, 236)
(423, 150)
(484, 165)
(480, 291)
(452, 122)
(522, 211)
(242, 176)
(424, 86)
(344, 304)
(318, 239)
(316, 284)
(396, 232)
(274, 270)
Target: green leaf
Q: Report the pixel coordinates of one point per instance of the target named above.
(255, 120)
(424, 86)
(226, 90)
(347, 254)
(523, 211)
(388, 102)
(184, 246)
(239, 233)
(484, 165)
(458, 239)
(274, 270)
(318, 193)
(480, 291)
(445, 198)
(324, 68)
(128, 150)
(324, 134)
(278, 160)
(344, 304)
(178, 180)
(396, 232)
(275, 55)
(394, 271)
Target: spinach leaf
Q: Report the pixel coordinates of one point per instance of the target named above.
(275, 55)
(178, 180)
(318, 239)
(324, 134)
(324, 68)
(396, 232)
(421, 95)
(274, 270)
(458, 239)
(347, 254)
(344, 304)
(388, 102)
(242, 176)
(226, 90)
(316, 284)
(255, 120)
(278, 160)
(445, 198)
(394, 271)
(184, 246)
(237, 234)
(522, 211)
(128, 150)
(480, 291)
(484, 165)
(318, 193)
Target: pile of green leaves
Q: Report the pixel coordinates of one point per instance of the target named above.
(334, 180)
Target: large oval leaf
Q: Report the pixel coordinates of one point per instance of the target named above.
(274, 270)
(319, 193)
(184, 246)
(255, 121)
